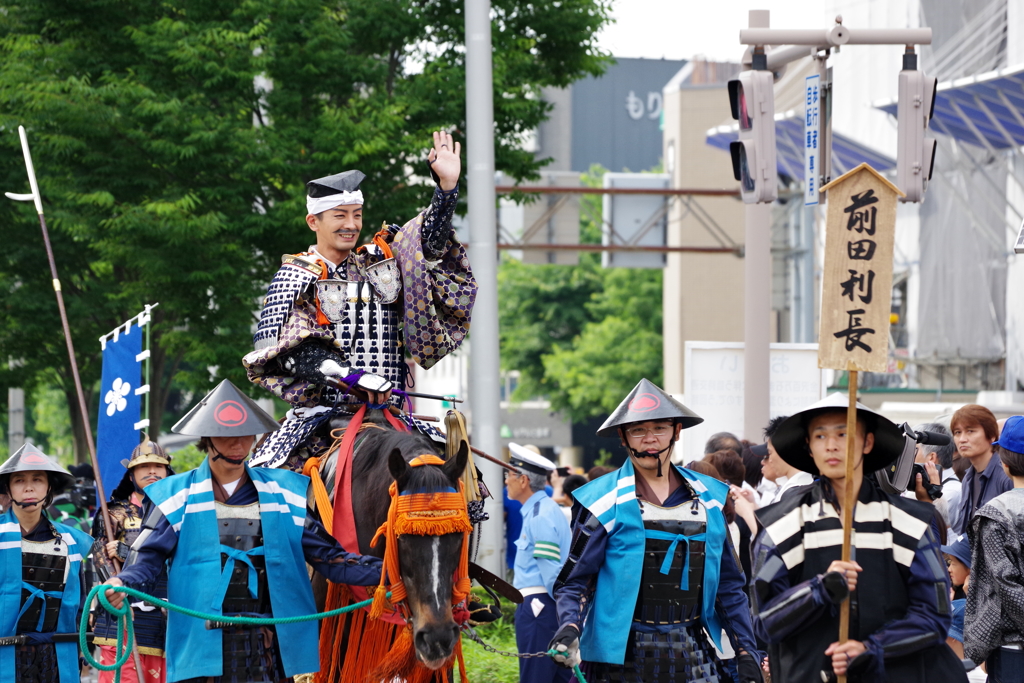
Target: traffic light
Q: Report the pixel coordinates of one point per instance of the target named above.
(752, 99)
(915, 151)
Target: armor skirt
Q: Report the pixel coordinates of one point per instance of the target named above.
(250, 656)
(680, 656)
(36, 663)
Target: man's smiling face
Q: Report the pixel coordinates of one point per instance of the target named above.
(337, 230)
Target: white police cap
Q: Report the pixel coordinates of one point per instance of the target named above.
(523, 458)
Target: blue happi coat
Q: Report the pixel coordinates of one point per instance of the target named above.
(78, 544)
(612, 500)
(194, 575)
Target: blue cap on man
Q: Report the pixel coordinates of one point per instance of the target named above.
(960, 549)
(1012, 436)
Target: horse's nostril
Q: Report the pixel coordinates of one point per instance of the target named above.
(436, 642)
(421, 641)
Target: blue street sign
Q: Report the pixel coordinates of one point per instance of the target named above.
(812, 149)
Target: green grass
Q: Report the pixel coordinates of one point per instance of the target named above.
(487, 667)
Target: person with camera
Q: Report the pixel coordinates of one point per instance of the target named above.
(128, 507)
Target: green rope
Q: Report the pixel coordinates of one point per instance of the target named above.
(575, 669)
(126, 631)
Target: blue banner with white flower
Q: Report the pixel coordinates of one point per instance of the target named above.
(120, 405)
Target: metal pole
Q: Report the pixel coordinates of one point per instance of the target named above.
(15, 419)
(82, 406)
(757, 310)
(757, 303)
(483, 253)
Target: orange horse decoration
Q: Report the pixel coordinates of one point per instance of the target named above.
(415, 636)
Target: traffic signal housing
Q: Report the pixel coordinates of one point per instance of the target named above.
(752, 99)
(915, 151)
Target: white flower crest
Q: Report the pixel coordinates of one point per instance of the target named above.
(115, 398)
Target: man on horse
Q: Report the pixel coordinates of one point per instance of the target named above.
(651, 565)
(337, 319)
(127, 508)
(237, 540)
(40, 574)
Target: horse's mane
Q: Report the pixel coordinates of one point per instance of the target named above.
(370, 465)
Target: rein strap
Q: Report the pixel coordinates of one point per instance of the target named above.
(421, 514)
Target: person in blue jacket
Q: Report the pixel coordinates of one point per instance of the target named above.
(542, 547)
(41, 575)
(236, 541)
(652, 581)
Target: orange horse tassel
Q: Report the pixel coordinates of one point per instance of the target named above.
(419, 514)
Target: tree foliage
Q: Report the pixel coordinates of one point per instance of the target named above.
(582, 335)
(172, 141)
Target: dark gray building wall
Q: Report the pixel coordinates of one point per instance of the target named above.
(614, 120)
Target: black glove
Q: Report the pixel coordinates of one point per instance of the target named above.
(836, 586)
(749, 669)
(567, 643)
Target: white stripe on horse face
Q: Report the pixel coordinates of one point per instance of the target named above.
(435, 569)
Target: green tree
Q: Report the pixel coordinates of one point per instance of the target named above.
(172, 141)
(621, 343)
(582, 335)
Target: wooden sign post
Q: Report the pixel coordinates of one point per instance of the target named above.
(855, 304)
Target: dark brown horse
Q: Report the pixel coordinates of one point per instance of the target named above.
(427, 563)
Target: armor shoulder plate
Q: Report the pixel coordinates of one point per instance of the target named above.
(302, 261)
(296, 273)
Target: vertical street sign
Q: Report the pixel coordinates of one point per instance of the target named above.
(857, 285)
(812, 142)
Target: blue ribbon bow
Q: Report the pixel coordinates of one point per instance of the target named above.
(34, 593)
(229, 567)
(684, 582)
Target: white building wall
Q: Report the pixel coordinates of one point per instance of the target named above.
(1015, 271)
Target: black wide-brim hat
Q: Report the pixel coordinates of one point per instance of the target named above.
(28, 458)
(648, 402)
(226, 411)
(790, 439)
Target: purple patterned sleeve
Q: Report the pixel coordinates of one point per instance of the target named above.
(439, 295)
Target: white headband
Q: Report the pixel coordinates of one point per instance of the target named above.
(315, 205)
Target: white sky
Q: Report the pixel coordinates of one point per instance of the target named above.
(681, 29)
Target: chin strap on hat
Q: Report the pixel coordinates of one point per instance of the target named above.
(638, 454)
(221, 456)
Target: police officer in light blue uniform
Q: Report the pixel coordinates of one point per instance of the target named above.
(541, 549)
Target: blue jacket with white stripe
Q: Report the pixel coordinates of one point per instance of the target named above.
(182, 532)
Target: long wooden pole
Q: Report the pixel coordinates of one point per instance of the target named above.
(849, 502)
(82, 406)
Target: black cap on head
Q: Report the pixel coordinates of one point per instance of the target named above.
(647, 402)
(226, 411)
(346, 181)
(790, 438)
(28, 458)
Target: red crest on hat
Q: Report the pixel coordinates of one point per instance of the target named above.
(644, 403)
(34, 458)
(230, 413)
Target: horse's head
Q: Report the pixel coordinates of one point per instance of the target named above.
(428, 562)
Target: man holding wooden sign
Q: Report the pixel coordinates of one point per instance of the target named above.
(896, 583)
